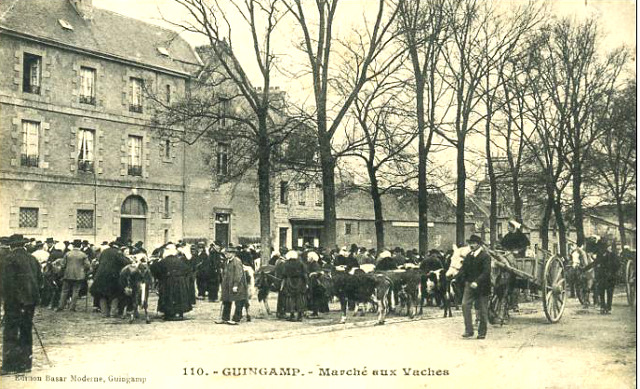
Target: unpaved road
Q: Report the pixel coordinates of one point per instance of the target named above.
(584, 350)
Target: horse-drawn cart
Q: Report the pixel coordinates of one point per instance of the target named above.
(542, 275)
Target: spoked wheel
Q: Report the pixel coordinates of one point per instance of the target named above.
(554, 289)
(630, 281)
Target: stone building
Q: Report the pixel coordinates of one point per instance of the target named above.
(78, 157)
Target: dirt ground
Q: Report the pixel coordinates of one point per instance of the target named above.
(584, 350)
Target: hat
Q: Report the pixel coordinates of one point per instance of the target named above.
(17, 240)
(515, 224)
(76, 243)
(474, 239)
(49, 240)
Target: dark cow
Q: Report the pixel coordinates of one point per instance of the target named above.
(136, 280)
(360, 288)
(267, 281)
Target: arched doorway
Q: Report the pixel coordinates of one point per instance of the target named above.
(133, 219)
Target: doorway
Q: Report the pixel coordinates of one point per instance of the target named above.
(222, 229)
(133, 220)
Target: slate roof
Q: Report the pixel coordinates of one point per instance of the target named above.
(107, 33)
(398, 205)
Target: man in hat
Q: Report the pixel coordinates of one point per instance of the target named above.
(234, 289)
(476, 275)
(75, 265)
(515, 241)
(20, 281)
(106, 281)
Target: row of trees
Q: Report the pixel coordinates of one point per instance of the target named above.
(418, 78)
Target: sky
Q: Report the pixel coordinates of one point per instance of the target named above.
(617, 21)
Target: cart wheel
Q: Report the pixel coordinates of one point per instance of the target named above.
(630, 281)
(554, 289)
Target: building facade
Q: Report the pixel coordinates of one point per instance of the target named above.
(79, 159)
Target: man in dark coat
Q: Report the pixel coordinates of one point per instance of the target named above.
(606, 266)
(476, 275)
(234, 289)
(174, 275)
(515, 241)
(106, 281)
(20, 281)
(75, 265)
(204, 271)
(217, 264)
(345, 259)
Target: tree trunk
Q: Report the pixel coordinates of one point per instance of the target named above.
(562, 228)
(460, 193)
(377, 209)
(546, 217)
(577, 199)
(423, 203)
(493, 207)
(517, 199)
(621, 229)
(328, 164)
(264, 191)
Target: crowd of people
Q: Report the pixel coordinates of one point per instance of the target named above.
(56, 274)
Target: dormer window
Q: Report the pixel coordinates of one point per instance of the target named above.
(163, 51)
(66, 25)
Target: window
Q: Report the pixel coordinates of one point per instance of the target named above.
(319, 195)
(85, 150)
(302, 193)
(167, 94)
(223, 111)
(167, 148)
(222, 163)
(31, 73)
(135, 102)
(347, 228)
(167, 210)
(283, 192)
(30, 153)
(28, 218)
(135, 155)
(84, 219)
(87, 85)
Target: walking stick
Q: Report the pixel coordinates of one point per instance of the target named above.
(42, 345)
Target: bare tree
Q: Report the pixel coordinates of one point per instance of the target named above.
(316, 24)
(382, 140)
(578, 83)
(614, 155)
(423, 33)
(257, 113)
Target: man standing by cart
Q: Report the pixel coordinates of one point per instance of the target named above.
(476, 275)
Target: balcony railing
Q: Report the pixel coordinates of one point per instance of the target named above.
(31, 89)
(135, 108)
(85, 165)
(135, 170)
(88, 100)
(29, 160)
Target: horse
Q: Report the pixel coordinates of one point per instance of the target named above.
(136, 280)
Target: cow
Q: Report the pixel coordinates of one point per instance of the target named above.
(136, 280)
(267, 281)
(360, 288)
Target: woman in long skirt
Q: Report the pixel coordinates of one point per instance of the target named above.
(294, 286)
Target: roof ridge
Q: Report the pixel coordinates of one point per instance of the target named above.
(141, 21)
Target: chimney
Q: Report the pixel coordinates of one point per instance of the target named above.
(84, 8)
